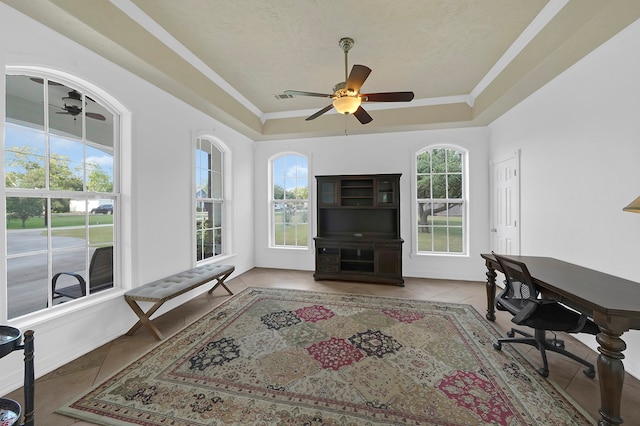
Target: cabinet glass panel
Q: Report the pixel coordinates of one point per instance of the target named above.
(328, 193)
(386, 192)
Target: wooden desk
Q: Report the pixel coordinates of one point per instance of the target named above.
(612, 302)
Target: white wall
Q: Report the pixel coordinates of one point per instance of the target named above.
(382, 153)
(578, 135)
(156, 202)
(580, 142)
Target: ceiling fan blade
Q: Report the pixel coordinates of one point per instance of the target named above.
(319, 113)
(363, 116)
(96, 116)
(387, 97)
(358, 75)
(298, 93)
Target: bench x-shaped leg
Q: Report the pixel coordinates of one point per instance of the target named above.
(144, 318)
(221, 282)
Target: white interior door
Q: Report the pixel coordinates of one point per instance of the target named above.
(505, 206)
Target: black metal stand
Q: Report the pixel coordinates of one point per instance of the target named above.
(29, 376)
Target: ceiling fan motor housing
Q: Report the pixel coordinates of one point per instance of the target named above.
(340, 91)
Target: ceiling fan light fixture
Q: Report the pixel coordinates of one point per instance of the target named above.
(72, 102)
(347, 104)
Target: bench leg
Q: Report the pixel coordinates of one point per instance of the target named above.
(144, 319)
(221, 282)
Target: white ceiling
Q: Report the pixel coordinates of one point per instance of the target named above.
(467, 61)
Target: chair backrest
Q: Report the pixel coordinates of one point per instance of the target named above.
(519, 285)
(101, 268)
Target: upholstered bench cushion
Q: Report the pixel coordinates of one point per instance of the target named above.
(175, 285)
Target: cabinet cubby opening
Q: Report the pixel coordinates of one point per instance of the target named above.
(361, 183)
(378, 223)
(356, 267)
(357, 255)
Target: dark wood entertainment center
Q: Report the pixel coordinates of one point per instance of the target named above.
(358, 235)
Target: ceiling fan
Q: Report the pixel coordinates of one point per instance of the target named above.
(72, 102)
(73, 106)
(346, 95)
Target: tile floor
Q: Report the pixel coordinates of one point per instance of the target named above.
(68, 381)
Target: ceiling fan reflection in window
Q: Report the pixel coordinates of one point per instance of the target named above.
(346, 96)
(72, 102)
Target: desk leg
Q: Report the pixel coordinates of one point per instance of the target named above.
(611, 376)
(491, 292)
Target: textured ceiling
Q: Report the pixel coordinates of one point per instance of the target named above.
(467, 61)
(265, 47)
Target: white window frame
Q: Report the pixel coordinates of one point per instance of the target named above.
(273, 203)
(226, 204)
(464, 202)
(121, 173)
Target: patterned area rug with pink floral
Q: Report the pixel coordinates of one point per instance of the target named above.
(277, 356)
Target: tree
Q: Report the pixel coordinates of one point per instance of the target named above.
(278, 192)
(60, 175)
(23, 208)
(98, 180)
(439, 178)
(300, 193)
(26, 169)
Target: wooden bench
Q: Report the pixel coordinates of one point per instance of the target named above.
(164, 289)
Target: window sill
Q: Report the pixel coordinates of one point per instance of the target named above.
(218, 259)
(59, 311)
(302, 249)
(428, 255)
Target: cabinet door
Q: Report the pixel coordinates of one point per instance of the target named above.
(386, 191)
(328, 192)
(388, 262)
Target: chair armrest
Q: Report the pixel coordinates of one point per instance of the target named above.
(529, 308)
(81, 283)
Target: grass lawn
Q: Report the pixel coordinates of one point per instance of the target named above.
(71, 225)
(436, 240)
(60, 220)
(293, 233)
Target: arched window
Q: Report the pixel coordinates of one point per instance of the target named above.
(289, 201)
(210, 193)
(61, 193)
(440, 200)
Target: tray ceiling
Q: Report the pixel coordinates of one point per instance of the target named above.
(467, 61)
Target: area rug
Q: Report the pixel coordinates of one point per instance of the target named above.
(287, 357)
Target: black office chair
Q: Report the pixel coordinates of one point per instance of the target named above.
(520, 298)
(100, 276)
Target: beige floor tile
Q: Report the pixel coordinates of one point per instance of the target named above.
(63, 384)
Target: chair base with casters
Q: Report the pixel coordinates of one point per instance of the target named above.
(522, 299)
(540, 341)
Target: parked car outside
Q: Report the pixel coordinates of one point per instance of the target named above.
(103, 209)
